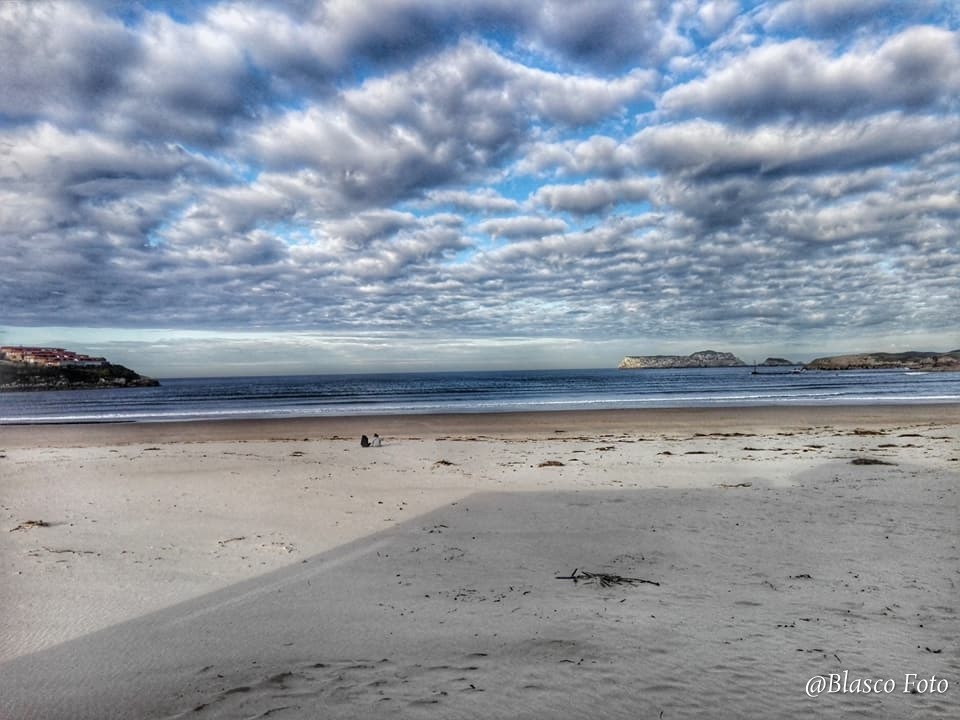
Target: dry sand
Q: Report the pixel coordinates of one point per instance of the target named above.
(276, 569)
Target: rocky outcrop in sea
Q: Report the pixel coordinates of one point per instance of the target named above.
(702, 359)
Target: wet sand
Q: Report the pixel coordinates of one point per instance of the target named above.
(276, 569)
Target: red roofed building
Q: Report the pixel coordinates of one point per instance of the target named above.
(49, 357)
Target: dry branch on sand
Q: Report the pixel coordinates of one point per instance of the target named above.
(604, 579)
(30, 524)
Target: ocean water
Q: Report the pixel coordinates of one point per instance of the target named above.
(473, 392)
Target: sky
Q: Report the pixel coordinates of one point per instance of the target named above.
(255, 187)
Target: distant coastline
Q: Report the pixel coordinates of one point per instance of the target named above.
(910, 360)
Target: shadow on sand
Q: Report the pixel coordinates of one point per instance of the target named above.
(457, 613)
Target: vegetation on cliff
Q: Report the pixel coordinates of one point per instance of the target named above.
(21, 376)
(911, 360)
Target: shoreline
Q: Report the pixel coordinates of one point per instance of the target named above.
(73, 434)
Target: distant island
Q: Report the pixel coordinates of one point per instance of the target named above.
(702, 359)
(910, 360)
(777, 362)
(42, 368)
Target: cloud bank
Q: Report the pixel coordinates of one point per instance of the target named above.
(664, 172)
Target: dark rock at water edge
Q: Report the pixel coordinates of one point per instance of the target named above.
(18, 377)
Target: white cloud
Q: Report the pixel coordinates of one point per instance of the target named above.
(598, 154)
(715, 15)
(704, 148)
(920, 67)
(443, 121)
(594, 195)
(823, 16)
(58, 60)
(481, 199)
(522, 226)
(612, 32)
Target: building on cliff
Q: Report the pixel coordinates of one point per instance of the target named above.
(49, 357)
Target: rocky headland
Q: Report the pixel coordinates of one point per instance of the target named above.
(18, 377)
(702, 359)
(910, 360)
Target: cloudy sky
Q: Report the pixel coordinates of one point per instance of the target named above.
(332, 185)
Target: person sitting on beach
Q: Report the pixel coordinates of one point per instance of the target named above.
(364, 441)
(376, 440)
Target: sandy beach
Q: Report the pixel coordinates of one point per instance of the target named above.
(620, 564)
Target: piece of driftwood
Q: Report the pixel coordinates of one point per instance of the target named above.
(31, 524)
(735, 485)
(604, 579)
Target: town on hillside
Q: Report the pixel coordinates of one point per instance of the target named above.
(49, 357)
(53, 368)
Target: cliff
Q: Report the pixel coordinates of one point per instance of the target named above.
(702, 359)
(913, 360)
(16, 376)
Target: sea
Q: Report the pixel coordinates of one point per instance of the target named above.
(177, 399)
